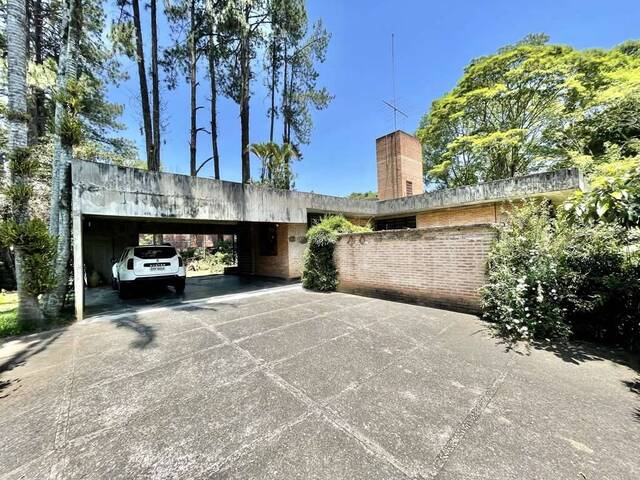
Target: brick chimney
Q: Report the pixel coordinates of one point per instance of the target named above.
(399, 159)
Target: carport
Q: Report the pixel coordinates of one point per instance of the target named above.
(112, 205)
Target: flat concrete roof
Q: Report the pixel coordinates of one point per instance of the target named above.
(111, 191)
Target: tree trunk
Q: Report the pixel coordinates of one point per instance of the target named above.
(285, 92)
(274, 77)
(39, 120)
(213, 82)
(214, 109)
(245, 74)
(16, 38)
(63, 63)
(194, 89)
(60, 225)
(155, 88)
(144, 90)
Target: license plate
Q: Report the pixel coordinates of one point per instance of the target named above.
(155, 269)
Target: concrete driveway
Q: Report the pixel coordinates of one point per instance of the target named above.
(290, 384)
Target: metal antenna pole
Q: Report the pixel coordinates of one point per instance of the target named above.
(393, 82)
(393, 105)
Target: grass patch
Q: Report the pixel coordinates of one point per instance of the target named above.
(9, 325)
(8, 300)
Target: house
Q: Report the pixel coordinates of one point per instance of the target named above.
(113, 205)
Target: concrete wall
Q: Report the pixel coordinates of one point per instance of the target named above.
(548, 184)
(297, 245)
(443, 267)
(109, 190)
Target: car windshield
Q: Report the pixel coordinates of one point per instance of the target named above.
(147, 253)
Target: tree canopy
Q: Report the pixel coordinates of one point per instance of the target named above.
(533, 106)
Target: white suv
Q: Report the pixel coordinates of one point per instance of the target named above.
(156, 263)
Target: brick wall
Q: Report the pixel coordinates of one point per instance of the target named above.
(273, 265)
(442, 267)
(287, 263)
(398, 159)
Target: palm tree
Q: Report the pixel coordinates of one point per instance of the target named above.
(264, 152)
(276, 163)
(284, 154)
(16, 36)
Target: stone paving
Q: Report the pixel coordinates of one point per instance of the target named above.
(291, 384)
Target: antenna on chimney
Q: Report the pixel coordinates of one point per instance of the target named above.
(393, 105)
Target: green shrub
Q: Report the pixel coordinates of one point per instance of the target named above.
(526, 295)
(551, 277)
(319, 271)
(38, 247)
(200, 260)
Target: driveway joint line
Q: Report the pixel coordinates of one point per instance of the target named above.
(369, 445)
(470, 421)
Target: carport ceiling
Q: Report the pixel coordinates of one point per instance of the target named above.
(160, 225)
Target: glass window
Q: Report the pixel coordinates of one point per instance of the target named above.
(147, 253)
(268, 238)
(399, 223)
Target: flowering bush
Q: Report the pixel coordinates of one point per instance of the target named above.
(551, 277)
(527, 293)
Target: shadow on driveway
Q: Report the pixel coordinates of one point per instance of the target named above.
(105, 300)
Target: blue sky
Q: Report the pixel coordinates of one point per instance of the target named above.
(434, 41)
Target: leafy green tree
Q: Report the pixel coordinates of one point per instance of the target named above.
(189, 21)
(288, 24)
(531, 106)
(244, 28)
(614, 196)
(28, 236)
(363, 195)
(301, 92)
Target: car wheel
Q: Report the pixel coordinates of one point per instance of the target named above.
(179, 285)
(124, 291)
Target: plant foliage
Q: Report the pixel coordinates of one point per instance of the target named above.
(33, 239)
(319, 272)
(549, 276)
(532, 106)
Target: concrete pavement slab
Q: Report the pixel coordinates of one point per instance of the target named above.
(187, 438)
(256, 324)
(285, 342)
(369, 389)
(548, 430)
(124, 399)
(133, 357)
(413, 407)
(313, 449)
(336, 365)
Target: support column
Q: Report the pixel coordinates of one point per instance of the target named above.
(78, 269)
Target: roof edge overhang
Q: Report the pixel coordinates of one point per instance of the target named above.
(109, 190)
